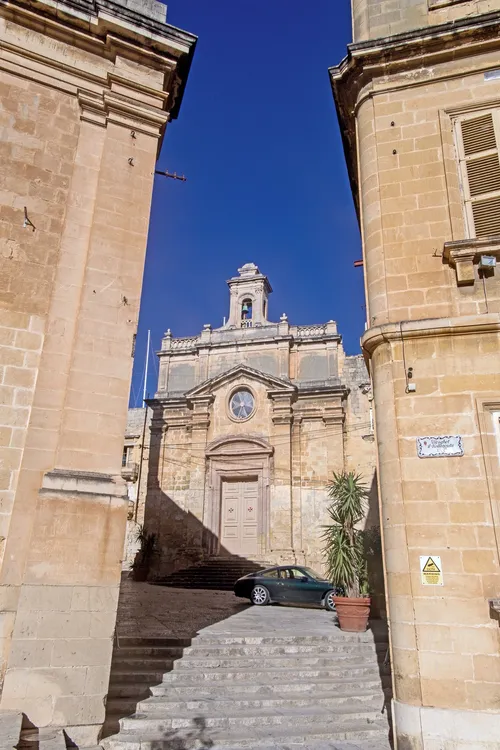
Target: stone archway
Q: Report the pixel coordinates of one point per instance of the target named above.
(238, 472)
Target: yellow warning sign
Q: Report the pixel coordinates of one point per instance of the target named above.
(431, 570)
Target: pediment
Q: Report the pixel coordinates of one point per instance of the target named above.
(273, 383)
(236, 445)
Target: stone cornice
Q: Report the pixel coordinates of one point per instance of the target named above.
(462, 254)
(441, 42)
(95, 485)
(108, 29)
(435, 327)
(416, 54)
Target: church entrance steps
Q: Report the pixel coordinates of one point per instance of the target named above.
(267, 678)
(218, 573)
(257, 718)
(340, 685)
(323, 736)
(201, 650)
(265, 675)
(271, 663)
(361, 698)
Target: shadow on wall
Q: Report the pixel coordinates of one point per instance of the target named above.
(373, 546)
(183, 540)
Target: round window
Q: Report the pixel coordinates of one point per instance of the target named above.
(242, 404)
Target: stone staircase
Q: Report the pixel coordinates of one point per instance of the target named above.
(137, 665)
(268, 690)
(218, 573)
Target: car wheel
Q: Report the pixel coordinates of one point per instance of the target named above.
(328, 601)
(259, 596)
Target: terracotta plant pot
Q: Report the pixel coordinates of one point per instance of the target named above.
(353, 614)
(140, 573)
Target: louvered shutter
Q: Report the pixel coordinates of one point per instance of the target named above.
(478, 140)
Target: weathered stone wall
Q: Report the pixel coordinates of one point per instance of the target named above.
(80, 133)
(381, 18)
(39, 136)
(434, 314)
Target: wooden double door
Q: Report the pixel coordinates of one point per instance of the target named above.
(239, 517)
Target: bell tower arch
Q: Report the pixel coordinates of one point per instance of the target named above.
(249, 298)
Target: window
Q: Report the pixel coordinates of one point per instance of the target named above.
(125, 457)
(293, 573)
(478, 142)
(270, 574)
(242, 404)
(496, 424)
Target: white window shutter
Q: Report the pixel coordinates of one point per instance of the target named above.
(478, 140)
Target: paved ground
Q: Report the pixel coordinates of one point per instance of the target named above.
(161, 612)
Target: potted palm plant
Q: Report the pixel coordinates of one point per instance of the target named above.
(147, 550)
(344, 550)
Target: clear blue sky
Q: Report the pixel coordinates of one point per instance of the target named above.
(258, 140)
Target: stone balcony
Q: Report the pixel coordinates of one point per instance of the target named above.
(130, 472)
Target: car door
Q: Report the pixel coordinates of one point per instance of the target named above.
(270, 579)
(296, 586)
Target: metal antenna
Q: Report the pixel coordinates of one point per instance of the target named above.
(173, 176)
(146, 371)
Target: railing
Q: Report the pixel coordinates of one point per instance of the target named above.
(246, 323)
(130, 472)
(186, 343)
(318, 330)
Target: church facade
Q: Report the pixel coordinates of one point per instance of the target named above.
(248, 424)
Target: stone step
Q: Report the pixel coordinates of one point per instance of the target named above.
(143, 724)
(292, 661)
(163, 706)
(129, 690)
(263, 675)
(271, 649)
(225, 639)
(198, 586)
(132, 662)
(135, 676)
(230, 688)
(10, 728)
(127, 641)
(269, 737)
(122, 706)
(165, 652)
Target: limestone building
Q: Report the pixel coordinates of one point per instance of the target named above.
(248, 424)
(86, 90)
(134, 472)
(418, 98)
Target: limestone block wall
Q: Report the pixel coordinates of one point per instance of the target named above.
(446, 645)
(382, 18)
(411, 199)
(39, 129)
(80, 131)
(440, 322)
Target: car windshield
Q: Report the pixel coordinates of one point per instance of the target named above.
(313, 574)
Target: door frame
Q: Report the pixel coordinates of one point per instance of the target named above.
(232, 478)
(236, 458)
